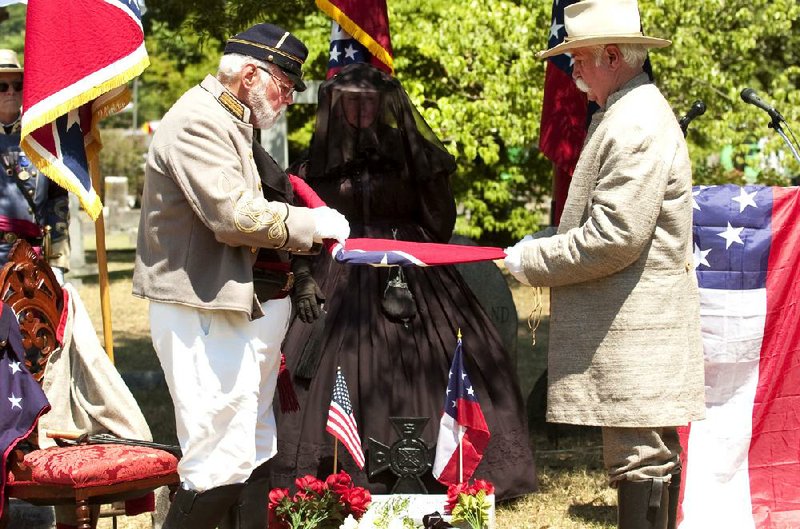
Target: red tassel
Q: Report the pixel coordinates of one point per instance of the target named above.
(286, 394)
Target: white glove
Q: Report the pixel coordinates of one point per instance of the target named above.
(513, 260)
(330, 224)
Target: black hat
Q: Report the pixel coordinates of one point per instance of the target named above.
(270, 43)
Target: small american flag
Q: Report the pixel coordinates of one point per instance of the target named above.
(341, 423)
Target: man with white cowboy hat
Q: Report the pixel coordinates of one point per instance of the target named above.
(32, 207)
(625, 351)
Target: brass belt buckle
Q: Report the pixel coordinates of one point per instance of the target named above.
(289, 282)
(10, 237)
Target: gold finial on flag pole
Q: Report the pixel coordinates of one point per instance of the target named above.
(459, 333)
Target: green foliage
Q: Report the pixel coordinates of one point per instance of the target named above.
(12, 30)
(123, 154)
(719, 48)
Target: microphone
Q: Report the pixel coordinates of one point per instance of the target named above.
(698, 109)
(749, 96)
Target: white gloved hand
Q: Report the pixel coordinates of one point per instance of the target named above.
(330, 224)
(513, 260)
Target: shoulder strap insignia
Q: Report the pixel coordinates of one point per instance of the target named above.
(232, 105)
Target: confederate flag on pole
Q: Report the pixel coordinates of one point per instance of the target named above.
(78, 56)
(360, 33)
(463, 433)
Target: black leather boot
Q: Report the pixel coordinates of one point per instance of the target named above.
(201, 510)
(674, 496)
(250, 511)
(642, 504)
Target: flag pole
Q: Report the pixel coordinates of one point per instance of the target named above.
(335, 453)
(102, 267)
(460, 434)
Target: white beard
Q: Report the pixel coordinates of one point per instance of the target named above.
(264, 115)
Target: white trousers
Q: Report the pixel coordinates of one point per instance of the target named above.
(221, 370)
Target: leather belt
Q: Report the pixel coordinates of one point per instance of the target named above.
(272, 284)
(9, 237)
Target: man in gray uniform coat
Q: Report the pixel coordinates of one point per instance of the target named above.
(204, 219)
(625, 350)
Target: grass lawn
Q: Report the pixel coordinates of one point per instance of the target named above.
(573, 493)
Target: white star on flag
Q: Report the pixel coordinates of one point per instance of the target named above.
(335, 53)
(15, 401)
(700, 256)
(745, 199)
(470, 391)
(731, 235)
(694, 194)
(555, 29)
(350, 52)
(14, 366)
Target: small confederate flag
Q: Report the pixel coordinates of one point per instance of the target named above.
(463, 434)
(341, 422)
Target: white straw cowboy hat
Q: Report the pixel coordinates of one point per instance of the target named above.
(9, 62)
(594, 22)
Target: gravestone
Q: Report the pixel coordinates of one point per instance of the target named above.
(23, 514)
(488, 284)
(78, 267)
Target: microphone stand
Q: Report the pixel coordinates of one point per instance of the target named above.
(776, 124)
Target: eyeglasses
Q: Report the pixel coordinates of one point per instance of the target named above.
(16, 85)
(287, 91)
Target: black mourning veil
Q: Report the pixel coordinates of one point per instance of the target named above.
(365, 118)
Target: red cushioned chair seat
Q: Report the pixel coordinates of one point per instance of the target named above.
(94, 465)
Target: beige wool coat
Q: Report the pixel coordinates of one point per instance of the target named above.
(204, 216)
(625, 346)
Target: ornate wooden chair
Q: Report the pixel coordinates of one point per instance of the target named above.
(81, 475)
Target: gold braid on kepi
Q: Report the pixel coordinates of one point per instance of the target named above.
(251, 216)
(271, 43)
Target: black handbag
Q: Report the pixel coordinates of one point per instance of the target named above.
(398, 302)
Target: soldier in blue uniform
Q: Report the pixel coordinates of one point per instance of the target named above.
(32, 207)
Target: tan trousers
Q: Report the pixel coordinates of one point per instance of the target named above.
(639, 454)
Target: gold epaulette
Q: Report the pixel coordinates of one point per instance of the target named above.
(232, 105)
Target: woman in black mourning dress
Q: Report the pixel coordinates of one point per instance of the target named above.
(374, 159)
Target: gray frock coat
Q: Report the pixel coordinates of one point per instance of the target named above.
(625, 346)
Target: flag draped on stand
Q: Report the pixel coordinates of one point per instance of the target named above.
(742, 463)
(564, 113)
(359, 33)
(78, 57)
(463, 434)
(341, 422)
(22, 400)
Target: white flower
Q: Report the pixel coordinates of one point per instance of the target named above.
(349, 523)
(396, 523)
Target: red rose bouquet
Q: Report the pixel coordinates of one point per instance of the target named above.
(467, 503)
(317, 504)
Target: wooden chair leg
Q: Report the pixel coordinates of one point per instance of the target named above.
(83, 514)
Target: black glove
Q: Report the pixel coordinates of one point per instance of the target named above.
(306, 295)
